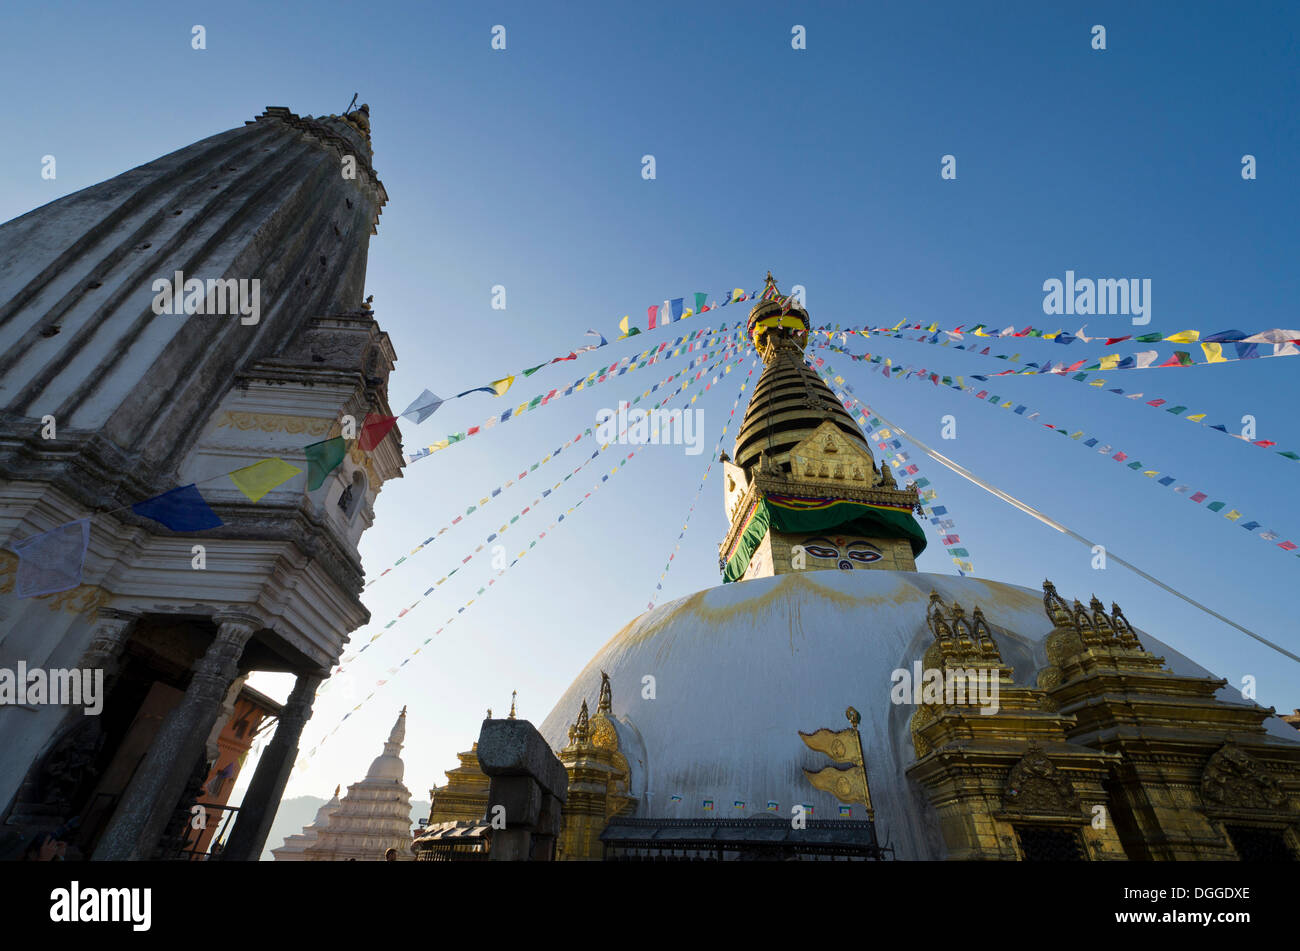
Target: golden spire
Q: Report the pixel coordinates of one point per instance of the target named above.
(513, 693)
(580, 732)
(605, 703)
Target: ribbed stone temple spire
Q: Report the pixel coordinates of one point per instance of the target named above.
(804, 492)
(80, 338)
(374, 816)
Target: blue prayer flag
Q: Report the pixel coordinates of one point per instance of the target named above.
(182, 510)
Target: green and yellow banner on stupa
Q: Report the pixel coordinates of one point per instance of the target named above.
(795, 514)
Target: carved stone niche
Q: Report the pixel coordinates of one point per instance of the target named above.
(332, 348)
(1035, 787)
(1233, 781)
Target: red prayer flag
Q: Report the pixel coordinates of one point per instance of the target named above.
(652, 314)
(1286, 546)
(373, 431)
(1111, 341)
(1199, 497)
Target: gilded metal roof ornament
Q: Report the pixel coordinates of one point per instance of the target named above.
(605, 702)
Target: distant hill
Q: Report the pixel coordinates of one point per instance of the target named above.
(301, 810)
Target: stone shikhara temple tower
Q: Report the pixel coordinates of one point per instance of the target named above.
(145, 402)
(373, 817)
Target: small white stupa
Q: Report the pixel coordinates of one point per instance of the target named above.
(374, 816)
(294, 846)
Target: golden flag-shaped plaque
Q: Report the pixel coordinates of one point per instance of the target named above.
(846, 785)
(842, 747)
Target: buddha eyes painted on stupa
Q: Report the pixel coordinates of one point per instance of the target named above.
(847, 553)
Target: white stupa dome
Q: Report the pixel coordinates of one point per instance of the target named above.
(740, 669)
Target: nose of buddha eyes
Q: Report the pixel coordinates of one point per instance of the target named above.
(846, 566)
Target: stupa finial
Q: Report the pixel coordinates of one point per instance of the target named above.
(605, 702)
(513, 693)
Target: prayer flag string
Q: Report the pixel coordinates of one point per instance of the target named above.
(394, 671)
(659, 585)
(1092, 442)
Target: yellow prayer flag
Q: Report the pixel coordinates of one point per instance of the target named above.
(1151, 473)
(1214, 353)
(1097, 383)
(1197, 417)
(1109, 361)
(1233, 515)
(261, 477)
(623, 325)
(502, 385)
(1052, 336)
(1184, 336)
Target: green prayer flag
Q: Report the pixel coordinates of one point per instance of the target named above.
(1176, 409)
(533, 370)
(1149, 338)
(1215, 506)
(322, 459)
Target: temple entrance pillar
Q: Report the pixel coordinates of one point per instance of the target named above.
(151, 796)
(262, 800)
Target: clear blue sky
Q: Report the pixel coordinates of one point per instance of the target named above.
(522, 168)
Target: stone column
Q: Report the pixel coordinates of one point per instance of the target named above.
(112, 629)
(154, 790)
(262, 800)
